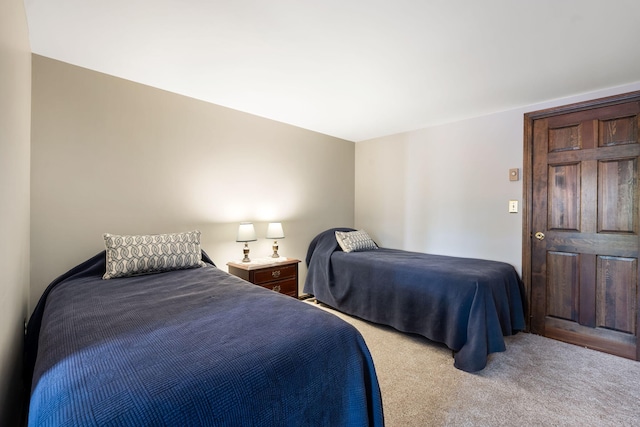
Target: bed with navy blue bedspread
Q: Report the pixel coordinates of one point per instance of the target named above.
(192, 347)
(467, 304)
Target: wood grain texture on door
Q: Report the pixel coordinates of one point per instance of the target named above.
(581, 230)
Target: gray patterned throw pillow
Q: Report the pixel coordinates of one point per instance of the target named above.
(355, 241)
(145, 254)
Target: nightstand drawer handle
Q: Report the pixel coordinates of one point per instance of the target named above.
(276, 288)
(275, 274)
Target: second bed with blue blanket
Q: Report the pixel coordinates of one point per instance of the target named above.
(467, 304)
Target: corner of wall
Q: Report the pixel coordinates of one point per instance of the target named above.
(15, 152)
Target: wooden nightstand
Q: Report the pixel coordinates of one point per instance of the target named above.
(279, 276)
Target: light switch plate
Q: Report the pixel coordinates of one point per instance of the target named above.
(513, 206)
(514, 174)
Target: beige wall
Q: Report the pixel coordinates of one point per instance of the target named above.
(445, 189)
(110, 155)
(15, 104)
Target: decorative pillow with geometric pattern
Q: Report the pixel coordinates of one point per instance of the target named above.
(146, 254)
(355, 241)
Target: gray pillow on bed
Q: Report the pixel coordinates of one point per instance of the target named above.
(355, 241)
(145, 254)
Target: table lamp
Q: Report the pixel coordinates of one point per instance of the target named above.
(274, 231)
(246, 233)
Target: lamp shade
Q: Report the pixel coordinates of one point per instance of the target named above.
(246, 232)
(274, 231)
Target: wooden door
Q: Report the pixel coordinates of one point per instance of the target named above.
(583, 224)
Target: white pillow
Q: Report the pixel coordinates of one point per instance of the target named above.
(355, 241)
(145, 254)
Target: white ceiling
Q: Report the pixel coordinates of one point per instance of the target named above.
(355, 69)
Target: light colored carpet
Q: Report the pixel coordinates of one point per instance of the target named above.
(536, 382)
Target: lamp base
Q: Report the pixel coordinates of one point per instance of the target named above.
(245, 251)
(275, 250)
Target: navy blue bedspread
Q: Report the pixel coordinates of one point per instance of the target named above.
(192, 347)
(467, 304)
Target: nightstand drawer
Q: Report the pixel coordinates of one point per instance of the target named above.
(275, 273)
(287, 287)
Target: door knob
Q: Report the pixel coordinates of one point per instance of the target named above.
(540, 235)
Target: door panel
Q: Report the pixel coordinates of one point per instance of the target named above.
(584, 203)
(617, 196)
(617, 288)
(564, 206)
(618, 131)
(565, 138)
(562, 281)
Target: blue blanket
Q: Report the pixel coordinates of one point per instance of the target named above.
(467, 304)
(192, 347)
